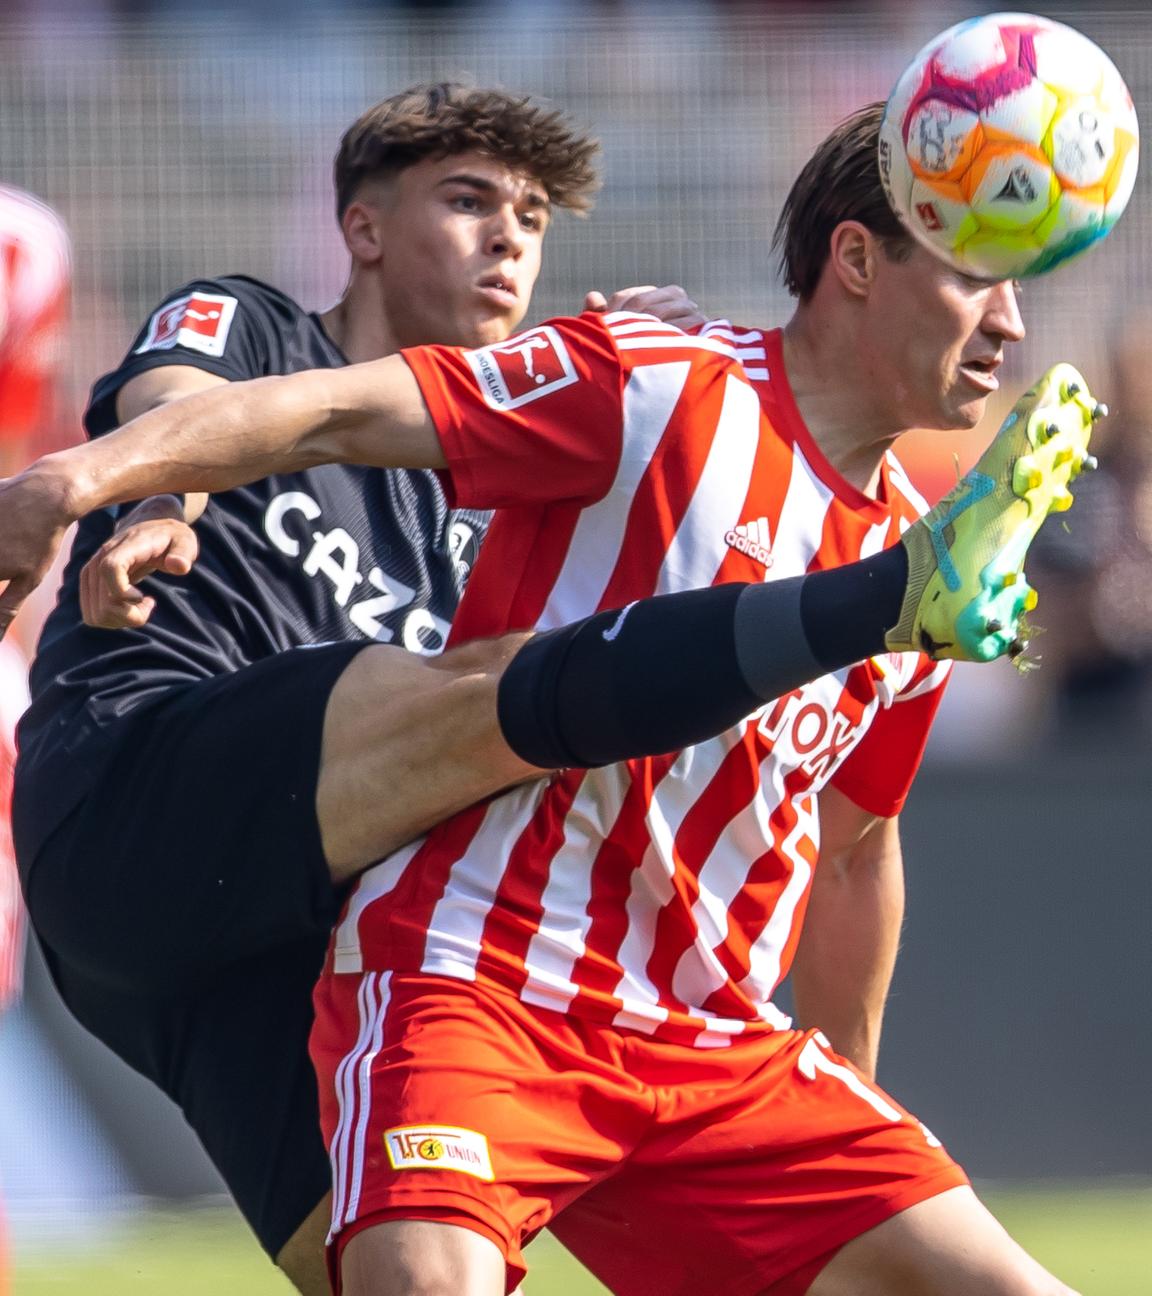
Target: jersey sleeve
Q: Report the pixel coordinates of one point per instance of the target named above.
(878, 773)
(217, 325)
(534, 420)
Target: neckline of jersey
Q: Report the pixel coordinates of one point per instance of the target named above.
(789, 413)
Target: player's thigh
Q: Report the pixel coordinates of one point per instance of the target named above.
(408, 741)
(421, 1258)
(948, 1244)
(197, 843)
(447, 1102)
(780, 1154)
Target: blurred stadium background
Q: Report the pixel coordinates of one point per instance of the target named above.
(180, 141)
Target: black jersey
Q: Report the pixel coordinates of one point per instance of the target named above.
(333, 553)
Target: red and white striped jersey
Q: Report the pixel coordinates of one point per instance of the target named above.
(663, 895)
(35, 277)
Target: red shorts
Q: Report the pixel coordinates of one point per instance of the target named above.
(664, 1168)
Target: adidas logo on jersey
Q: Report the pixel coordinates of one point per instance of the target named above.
(752, 538)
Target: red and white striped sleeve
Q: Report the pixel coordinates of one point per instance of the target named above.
(879, 772)
(533, 420)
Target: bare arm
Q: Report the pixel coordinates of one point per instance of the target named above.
(156, 535)
(148, 391)
(851, 933)
(214, 440)
(227, 436)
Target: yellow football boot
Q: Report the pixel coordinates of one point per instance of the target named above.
(966, 590)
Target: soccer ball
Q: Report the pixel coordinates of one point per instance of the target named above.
(1009, 145)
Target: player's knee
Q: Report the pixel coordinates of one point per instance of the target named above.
(421, 1258)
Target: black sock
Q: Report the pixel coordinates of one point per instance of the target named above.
(846, 610)
(673, 670)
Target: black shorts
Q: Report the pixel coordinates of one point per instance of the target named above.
(184, 908)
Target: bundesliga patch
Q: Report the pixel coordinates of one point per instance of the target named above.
(531, 365)
(439, 1147)
(198, 321)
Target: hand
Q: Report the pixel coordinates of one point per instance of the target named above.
(670, 304)
(109, 597)
(35, 514)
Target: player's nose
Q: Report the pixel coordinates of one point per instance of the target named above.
(506, 235)
(1002, 313)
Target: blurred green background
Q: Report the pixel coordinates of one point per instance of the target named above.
(1098, 1239)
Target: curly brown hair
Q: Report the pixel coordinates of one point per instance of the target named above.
(839, 182)
(441, 119)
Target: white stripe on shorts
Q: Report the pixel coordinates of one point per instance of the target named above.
(354, 1097)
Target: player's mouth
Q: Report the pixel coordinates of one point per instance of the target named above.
(499, 289)
(981, 373)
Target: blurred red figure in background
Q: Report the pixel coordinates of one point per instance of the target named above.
(34, 288)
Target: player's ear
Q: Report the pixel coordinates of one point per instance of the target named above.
(852, 254)
(362, 231)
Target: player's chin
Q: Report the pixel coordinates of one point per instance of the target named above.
(964, 410)
(492, 325)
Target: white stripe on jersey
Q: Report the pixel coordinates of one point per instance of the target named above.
(373, 885)
(698, 547)
(875, 539)
(724, 329)
(461, 912)
(900, 479)
(799, 531)
(648, 324)
(933, 680)
(749, 346)
(722, 878)
(765, 955)
(555, 948)
(650, 399)
(694, 768)
(682, 342)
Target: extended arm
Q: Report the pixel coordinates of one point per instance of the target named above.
(851, 933)
(226, 436)
(216, 439)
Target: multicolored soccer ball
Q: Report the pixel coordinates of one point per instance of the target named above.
(1009, 145)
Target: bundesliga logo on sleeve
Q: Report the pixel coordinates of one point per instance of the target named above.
(197, 321)
(531, 365)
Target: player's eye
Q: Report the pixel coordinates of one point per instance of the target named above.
(531, 220)
(1018, 288)
(466, 202)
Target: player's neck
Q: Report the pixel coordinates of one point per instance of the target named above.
(836, 400)
(359, 326)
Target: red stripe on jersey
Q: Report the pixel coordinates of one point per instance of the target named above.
(518, 906)
(599, 970)
(516, 604)
(733, 786)
(408, 908)
(669, 481)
